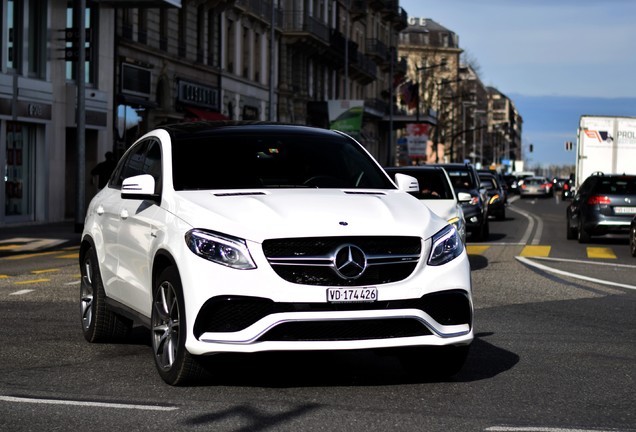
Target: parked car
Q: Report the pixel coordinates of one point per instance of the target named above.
(436, 191)
(632, 236)
(604, 204)
(535, 187)
(472, 197)
(253, 237)
(495, 193)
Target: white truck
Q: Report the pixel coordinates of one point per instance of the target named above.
(606, 144)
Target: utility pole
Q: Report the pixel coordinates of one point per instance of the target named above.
(80, 205)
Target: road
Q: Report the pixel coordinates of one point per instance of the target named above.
(555, 351)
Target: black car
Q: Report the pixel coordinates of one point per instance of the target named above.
(632, 237)
(496, 195)
(472, 197)
(604, 204)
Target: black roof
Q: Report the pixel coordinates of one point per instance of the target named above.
(204, 128)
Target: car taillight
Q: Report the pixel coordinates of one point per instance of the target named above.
(598, 199)
(523, 186)
(566, 186)
(547, 185)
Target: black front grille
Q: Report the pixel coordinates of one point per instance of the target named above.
(345, 330)
(310, 261)
(232, 314)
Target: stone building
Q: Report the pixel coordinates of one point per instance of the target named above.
(151, 62)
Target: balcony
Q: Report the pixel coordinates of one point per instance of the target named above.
(363, 69)
(300, 27)
(358, 9)
(261, 9)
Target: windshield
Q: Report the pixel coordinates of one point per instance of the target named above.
(260, 160)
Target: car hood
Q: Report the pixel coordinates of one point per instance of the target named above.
(263, 214)
(446, 209)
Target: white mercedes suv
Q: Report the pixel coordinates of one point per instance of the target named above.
(230, 237)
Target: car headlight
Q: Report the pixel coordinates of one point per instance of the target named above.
(221, 249)
(458, 223)
(446, 246)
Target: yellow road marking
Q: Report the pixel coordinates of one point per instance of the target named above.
(45, 271)
(24, 256)
(69, 256)
(32, 281)
(10, 246)
(600, 252)
(4, 276)
(475, 249)
(536, 251)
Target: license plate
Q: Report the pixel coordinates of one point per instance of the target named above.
(625, 210)
(352, 295)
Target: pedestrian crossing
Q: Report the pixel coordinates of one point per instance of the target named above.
(539, 251)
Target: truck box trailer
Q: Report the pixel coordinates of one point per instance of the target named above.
(606, 144)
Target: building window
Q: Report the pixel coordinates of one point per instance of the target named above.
(183, 23)
(163, 29)
(247, 52)
(91, 28)
(142, 25)
(229, 46)
(200, 33)
(37, 39)
(12, 35)
(212, 40)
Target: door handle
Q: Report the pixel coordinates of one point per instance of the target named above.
(99, 210)
(124, 214)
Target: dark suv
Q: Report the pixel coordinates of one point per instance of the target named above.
(604, 204)
(472, 197)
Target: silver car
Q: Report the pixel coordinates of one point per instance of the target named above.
(536, 186)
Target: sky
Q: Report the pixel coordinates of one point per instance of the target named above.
(556, 60)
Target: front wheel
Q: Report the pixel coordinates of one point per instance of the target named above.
(632, 241)
(175, 364)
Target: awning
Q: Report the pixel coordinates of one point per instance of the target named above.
(196, 114)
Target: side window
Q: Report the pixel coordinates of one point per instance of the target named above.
(130, 165)
(152, 164)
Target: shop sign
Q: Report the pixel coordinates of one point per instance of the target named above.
(250, 113)
(135, 80)
(34, 110)
(191, 93)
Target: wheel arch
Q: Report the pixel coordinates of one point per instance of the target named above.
(163, 259)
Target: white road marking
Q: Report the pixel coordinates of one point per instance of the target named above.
(528, 262)
(21, 292)
(544, 429)
(86, 404)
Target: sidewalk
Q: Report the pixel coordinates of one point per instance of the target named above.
(30, 237)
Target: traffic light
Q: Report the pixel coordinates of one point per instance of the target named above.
(568, 145)
(531, 148)
(71, 37)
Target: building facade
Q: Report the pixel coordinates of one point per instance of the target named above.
(38, 90)
(470, 122)
(152, 62)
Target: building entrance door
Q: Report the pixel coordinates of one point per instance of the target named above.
(19, 173)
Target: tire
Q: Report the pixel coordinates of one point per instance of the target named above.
(175, 364)
(434, 362)
(632, 241)
(98, 323)
(583, 236)
(571, 232)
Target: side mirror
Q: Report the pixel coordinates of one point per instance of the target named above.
(141, 187)
(464, 197)
(407, 183)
